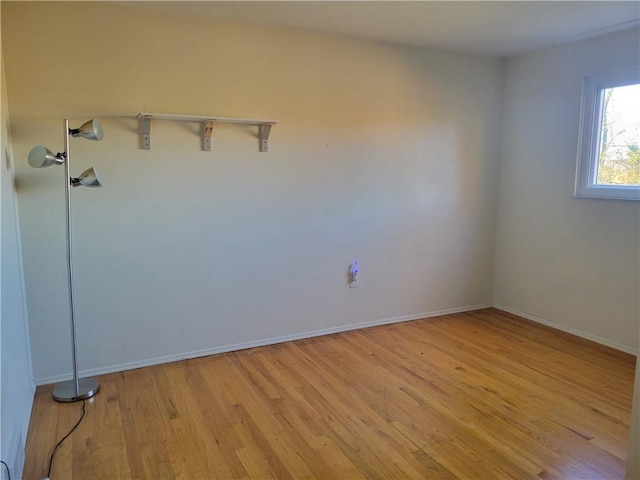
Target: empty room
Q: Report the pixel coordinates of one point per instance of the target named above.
(330, 240)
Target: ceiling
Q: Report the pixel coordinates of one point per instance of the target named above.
(497, 28)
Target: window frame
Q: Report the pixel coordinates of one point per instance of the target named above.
(590, 135)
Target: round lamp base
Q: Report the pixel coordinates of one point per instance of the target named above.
(66, 391)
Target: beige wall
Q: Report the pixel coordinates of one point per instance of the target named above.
(571, 263)
(383, 154)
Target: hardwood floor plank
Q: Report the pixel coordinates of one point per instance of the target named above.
(478, 395)
(145, 422)
(102, 438)
(260, 432)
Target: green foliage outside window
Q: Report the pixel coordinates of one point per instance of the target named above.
(619, 160)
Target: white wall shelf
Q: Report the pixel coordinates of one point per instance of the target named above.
(264, 127)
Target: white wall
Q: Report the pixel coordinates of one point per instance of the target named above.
(383, 154)
(16, 377)
(572, 263)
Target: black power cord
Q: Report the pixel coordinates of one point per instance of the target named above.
(7, 467)
(63, 439)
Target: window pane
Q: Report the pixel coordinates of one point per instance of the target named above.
(619, 156)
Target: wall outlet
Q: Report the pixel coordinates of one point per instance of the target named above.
(354, 272)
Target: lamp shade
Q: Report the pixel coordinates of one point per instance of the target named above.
(91, 130)
(41, 156)
(88, 178)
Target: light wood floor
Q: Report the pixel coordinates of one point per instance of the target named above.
(481, 395)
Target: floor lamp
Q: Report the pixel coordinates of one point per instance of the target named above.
(39, 157)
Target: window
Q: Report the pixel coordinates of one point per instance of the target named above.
(609, 145)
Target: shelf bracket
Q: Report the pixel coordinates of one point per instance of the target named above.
(207, 130)
(265, 131)
(207, 122)
(145, 128)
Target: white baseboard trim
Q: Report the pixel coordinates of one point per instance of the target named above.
(256, 343)
(15, 458)
(573, 331)
(15, 451)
